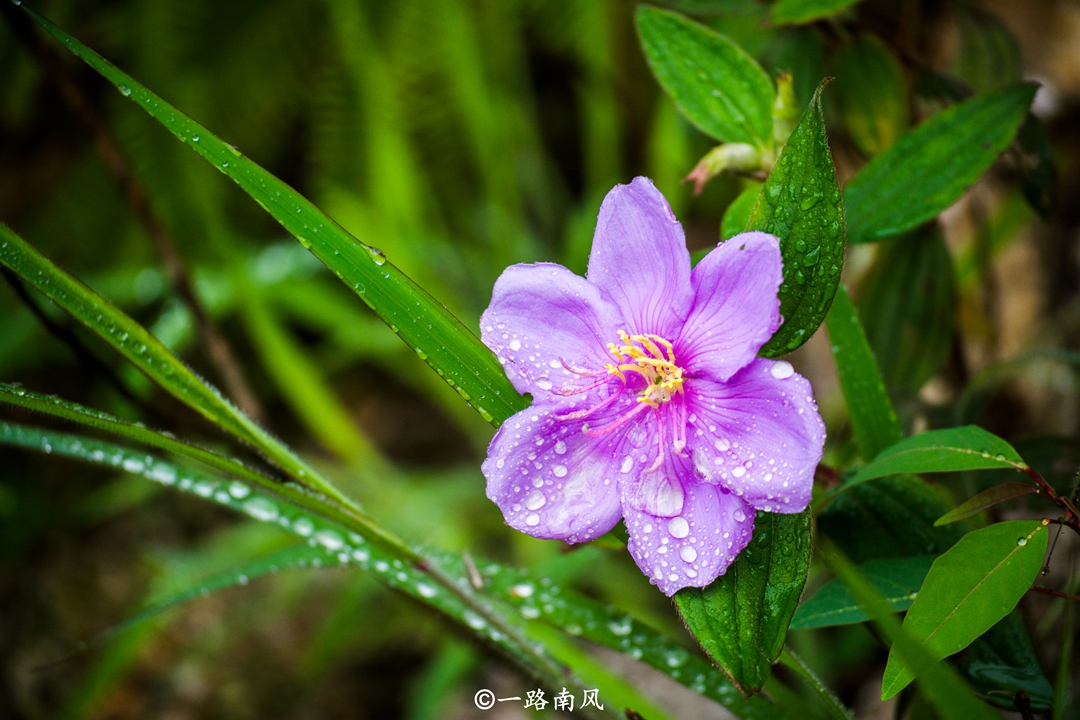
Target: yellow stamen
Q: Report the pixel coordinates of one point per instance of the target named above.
(645, 355)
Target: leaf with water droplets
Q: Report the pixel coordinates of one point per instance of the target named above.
(331, 542)
(714, 83)
(800, 204)
(420, 319)
(948, 450)
(929, 167)
(897, 579)
(742, 618)
(968, 590)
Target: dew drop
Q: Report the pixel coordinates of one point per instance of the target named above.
(425, 590)
(536, 500)
(1021, 541)
(515, 344)
(558, 470)
(239, 490)
(781, 370)
(678, 527)
(560, 448)
(532, 520)
(543, 383)
(627, 464)
(688, 554)
(722, 444)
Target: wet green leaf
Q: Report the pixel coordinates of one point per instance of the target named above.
(1003, 661)
(870, 92)
(737, 216)
(714, 83)
(929, 167)
(793, 12)
(969, 589)
(800, 204)
(894, 517)
(908, 308)
(742, 618)
(987, 499)
(421, 321)
(873, 419)
(948, 450)
(897, 579)
(334, 542)
(939, 682)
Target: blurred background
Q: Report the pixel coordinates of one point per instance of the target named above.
(459, 137)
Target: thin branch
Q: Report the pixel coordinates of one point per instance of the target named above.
(214, 344)
(1056, 593)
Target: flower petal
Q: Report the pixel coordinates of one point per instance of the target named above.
(759, 434)
(542, 316)
(639, 259)
(736, 309)
(693, 548)
(656, 492)
(551, 480)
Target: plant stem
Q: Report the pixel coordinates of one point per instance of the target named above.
(833, 706)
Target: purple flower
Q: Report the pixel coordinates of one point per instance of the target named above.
(649, 401)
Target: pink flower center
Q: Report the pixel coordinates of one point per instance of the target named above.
(653, 358)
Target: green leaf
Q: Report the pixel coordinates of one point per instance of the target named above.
(908, 307)
(989, 56)
(741, 619)
(873, 419)
(800, 204)
(969, 589)
(894, 516)
(420, 320)
(147, 353)
(948, 450)
(897, 579)
(929, 167)
(714, 83)
(986, 499)
(890, 517)
(1003, 661)
(410, 574)
(870, 93)
(612, 628)
(1038, 171)
(793, 12)
(737, 216)
(945, 690)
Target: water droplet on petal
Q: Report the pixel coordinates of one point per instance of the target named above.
(678, 527)
(782, 370)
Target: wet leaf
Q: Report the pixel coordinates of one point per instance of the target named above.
(987, 499)
(714, 82)
(421, 321)
(938, 682)
(897, 579)
(968, 590)
(870, 92)
(1003, 661)
(941, 157)
(800, 204)
(742, 618)
(948, 450)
